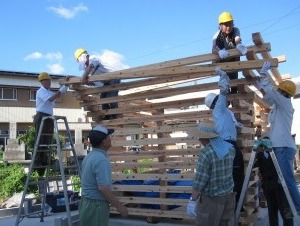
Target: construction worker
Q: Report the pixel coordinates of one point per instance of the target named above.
(213, 200)
(45, 102)
(272, 189)
(228, 37)
(92, 66)
(281, 119)
(226, 127)
(96, 181)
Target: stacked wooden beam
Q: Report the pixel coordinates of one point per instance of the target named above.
(152, 157)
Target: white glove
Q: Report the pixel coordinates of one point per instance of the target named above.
(63, 89)
(266, 67)
(191, 208)
(223, 53)
(220, 72)
(242, 49)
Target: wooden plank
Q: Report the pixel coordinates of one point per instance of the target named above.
(174, 213)
(258, 40)
(188, 151)
(164, 176)
(148, 200)
(153, 188)
(155, 129)
(173, 63)
(151, 141)
(202, 69)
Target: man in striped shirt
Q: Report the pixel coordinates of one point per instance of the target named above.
(213, 183)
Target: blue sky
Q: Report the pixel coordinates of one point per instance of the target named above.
(43, 35)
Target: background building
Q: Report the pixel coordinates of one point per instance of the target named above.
(17, 107)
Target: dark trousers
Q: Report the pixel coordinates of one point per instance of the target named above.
(276, 201)
(48, 128)
(231, 76)
(113, 93)
(238, 171)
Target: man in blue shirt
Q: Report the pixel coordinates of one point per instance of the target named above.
(96, 182)
(226, 127)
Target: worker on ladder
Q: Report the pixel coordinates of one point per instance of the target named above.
(272, 189)
(281, 119)
(45, 102)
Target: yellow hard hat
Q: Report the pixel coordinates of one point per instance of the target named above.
(43, 76)
(225, 17)
(78, 52)
(288, 86)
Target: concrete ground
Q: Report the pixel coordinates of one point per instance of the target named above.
(116, 220)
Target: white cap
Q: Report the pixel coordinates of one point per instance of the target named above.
(104, 130)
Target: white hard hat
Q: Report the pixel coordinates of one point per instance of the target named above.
(209, 99)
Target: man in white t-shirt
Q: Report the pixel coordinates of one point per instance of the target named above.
(45, 102)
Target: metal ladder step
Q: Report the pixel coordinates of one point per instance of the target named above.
(49, 150)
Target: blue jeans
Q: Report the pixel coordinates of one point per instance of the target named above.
(285, 157)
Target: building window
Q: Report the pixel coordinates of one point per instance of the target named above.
(32, 95)
(21, 132)
(4, 132)
(8, 94)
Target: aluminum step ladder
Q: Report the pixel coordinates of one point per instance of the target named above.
(58, 150)
(256, 150)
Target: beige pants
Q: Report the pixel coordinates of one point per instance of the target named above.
(216, 210)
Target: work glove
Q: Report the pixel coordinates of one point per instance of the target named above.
(259, 82)
(239, 125)
(63, 89)
(266, 67)
(242, 49)
(191, 208)
(223, 53)
(220, 72)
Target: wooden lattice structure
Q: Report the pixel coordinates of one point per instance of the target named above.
(157, 103)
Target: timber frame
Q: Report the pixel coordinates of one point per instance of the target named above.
(157, 104)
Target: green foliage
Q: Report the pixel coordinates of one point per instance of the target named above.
(1, 154)
(12, 177)
(28, 138)
(140, 169)
(76, 181)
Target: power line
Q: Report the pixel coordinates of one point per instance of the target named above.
(281, 18)
(204, 39)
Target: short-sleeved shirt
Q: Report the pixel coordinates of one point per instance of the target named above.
(96, 171)
(214, 175)
(43, 104)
